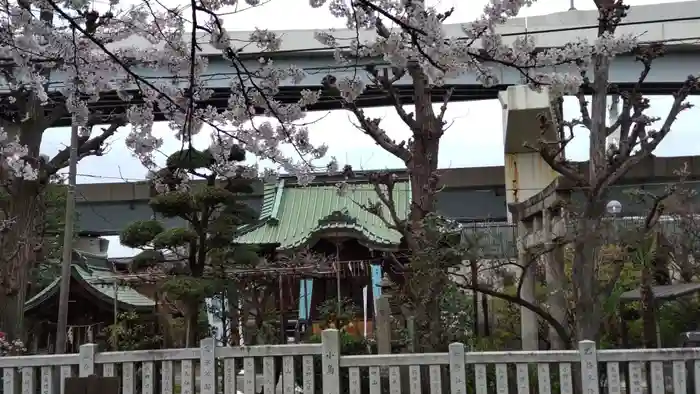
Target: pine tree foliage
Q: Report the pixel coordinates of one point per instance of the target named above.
(196, 255)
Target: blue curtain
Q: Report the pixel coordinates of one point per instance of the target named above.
(376, 280)
(305, 292)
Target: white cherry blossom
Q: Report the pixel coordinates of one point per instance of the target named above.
(419, 36)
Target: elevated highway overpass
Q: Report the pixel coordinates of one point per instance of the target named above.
(469, 195)
(675, 24)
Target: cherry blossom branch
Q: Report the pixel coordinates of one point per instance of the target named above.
(371, 126)
(648, 142)
(517, 300)
(187, 108)
(387, 84)
(86, 147)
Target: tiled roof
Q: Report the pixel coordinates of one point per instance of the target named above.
(95, 279)
(295, 216)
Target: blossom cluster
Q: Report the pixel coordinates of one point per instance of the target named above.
(93, 53)
(420, 38)
(11, 348)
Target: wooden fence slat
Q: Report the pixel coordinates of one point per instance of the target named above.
(230, 376)
(544, 382)
(480, 379)
(658, 385)
(523, 378)
(614, 384)
(636, 378)
(375, 380)
(289, 383)
(679, 377)
(147, 378)
(435, 379)
(268, 375)
(11, 381)
(566, 382)
(28, 381)
(309, 375)
(47, 380)
(108, 370)
(395, 380)
(354, 380)
(186, 377)
(167, 381)
(414, 378)
(129, 379)
(65, 373)
(249, 375)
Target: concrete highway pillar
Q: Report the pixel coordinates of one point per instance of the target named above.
(613, 113)
(526, 174)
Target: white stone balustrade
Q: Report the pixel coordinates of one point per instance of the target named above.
(214, 368)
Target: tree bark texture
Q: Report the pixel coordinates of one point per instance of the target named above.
(647, 303)
(21, 242)
(587, 244)
(424, 148)
(584, 283)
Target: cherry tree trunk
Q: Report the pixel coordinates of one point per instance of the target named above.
(583, 282)
(192, 323)
(423, 163)
(422, 169)
(19, 246)
(20, 242)
(647, 303)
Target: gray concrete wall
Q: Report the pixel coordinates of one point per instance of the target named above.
(470, 194)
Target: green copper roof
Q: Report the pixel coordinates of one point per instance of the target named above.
(95, 279)
(295, 216)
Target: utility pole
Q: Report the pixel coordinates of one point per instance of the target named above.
(61, 329)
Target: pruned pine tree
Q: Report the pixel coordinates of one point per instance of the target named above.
(195, 252)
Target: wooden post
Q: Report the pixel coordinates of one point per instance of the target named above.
(87, 360)
(11, 381)
(66, 264)
(383, 334)
(458, 382)
(383, 330)
(411, 330)
(207, 366)
(115, 345)
(589, 367)
(330, 363)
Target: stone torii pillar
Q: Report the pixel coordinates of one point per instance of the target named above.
(541, 239)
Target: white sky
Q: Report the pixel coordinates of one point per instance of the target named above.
(474, 139)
